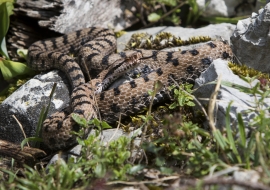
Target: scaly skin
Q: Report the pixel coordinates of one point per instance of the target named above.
(94, 48)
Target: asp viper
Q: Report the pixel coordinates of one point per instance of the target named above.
(94, 49)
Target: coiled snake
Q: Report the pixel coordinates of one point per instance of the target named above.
(95, 49)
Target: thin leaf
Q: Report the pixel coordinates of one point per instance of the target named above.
(35, 139)
(42, 117)
(223, 19)
(229, 133)
(3, 48)
(40, 122)
(241, 129)
(220, 139)
(12, 175)
(232, 85)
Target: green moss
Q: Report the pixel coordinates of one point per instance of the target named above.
(13, 86)
(161, 40)
(243, 70)
(120, 33)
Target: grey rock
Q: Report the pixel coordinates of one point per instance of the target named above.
(92, 13)
(223, 30)
(106, 137)
(227, 8)
(252, 36)
(27, 102)
(241, 102)
(249, 175)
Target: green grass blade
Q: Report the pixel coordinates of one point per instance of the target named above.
(42, 117)
(241, 129)
(231, 140)
(220, 139)
(223, 19)
(35, 139)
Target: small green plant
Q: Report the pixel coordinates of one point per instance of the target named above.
(180, 144)
(245, 71)
(6, 8)
(97, 160)
(182, 96)
(178, 12)
(9, 69)
(160, 15)
(42, 116)
(202, 151)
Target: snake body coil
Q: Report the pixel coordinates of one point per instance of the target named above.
(94, 49)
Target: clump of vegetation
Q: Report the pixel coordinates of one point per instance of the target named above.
(13, 86)
(179, 146)
(243, 70)
(161, 40)
(9, 69)
(97, 161)
(176, 13)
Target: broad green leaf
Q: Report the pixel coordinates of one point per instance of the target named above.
(3, 48)
(153, 17)
(81, 121)
(10, 7)
(191, 104)
(11, 69)
(22, 53)
(4, 1)
(105, 125)
(4, 25)
(136, 168)
(100, 170)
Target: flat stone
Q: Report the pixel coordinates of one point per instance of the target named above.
(241, 102)
(26, 104)
(223, 30)
(91, 13)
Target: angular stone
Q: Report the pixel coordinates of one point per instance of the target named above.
(241, 101)
(251, 40)
(26, 104)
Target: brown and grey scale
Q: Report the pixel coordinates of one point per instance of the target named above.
(94, 49)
